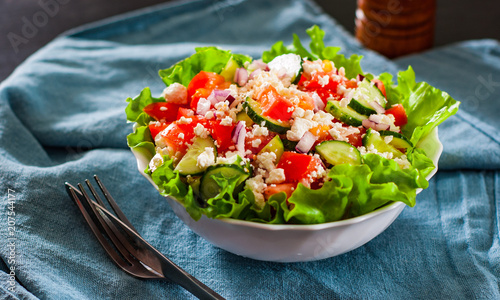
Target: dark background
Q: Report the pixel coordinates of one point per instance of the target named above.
(456, 20)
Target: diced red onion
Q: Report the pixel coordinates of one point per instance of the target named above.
(374, 125)
(360, 77)
(318, 102)
(203, 106)
(240, 141)
(306, 142)
(218, 96)
(237, 131)
(377, 107)
(241, 76)
(258, 65)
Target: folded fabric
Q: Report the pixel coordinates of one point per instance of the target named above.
(62, 119)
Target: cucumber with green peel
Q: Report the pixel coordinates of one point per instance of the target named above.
(289, 145)
(253, 110)
(373, 139)
(339, 152)
(360, 108)
(242, 116)
(275, 145)
(209, 187)
(398, 141)
(230, 69)
(188, 165)
(346, 114)
(366, 96)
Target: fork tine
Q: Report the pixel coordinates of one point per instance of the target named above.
(72, 191)
(113, 204)
(122, 248)
(94, 193)
(122, 258)
(119, 245)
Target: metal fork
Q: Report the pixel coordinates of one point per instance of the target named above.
(125, 246)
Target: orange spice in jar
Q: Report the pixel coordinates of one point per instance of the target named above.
(396, 27)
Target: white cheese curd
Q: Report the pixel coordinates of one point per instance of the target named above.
(299, 127)
(201, 131)
(340, 133)
(257, 186)
(276, 176)
(385, 119)
(206, 158)
(175, 93)
(286, 67)
(155, 162)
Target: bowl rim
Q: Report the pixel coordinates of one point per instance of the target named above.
(432, 136)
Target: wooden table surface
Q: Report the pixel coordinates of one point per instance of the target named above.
(456, 20)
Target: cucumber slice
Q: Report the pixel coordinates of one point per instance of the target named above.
(289, 64)
(242, 116)
(363, 95)
(339, 152)
(398, 141)
(361, 108)
(289, 145)
(209, 187)
(372, 137)
(228, 72)
(194, 182)
(188, 163)
(275, 145)
(346, 115)
(253, 110)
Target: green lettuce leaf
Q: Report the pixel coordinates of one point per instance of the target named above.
(325, 204)
(142, 140)
(425, 105)
(134, 109)
(210, 59)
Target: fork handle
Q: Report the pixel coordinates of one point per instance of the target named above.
(188, 282)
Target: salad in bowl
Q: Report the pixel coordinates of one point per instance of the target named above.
(298, 136)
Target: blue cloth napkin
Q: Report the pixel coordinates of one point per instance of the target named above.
(62, 119)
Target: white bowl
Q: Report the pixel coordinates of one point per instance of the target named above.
(295, 243)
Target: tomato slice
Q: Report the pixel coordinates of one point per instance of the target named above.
(156, 128)
(318, 83)
(306, 102)
(222, 134)
(200, 93)
(204, 80)
(356, 139)
(297, 166)
(274, 105)
(399, 113)
(179, 135)
(185, 112)
(272, 189)
(264, 140)
(162, 111)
